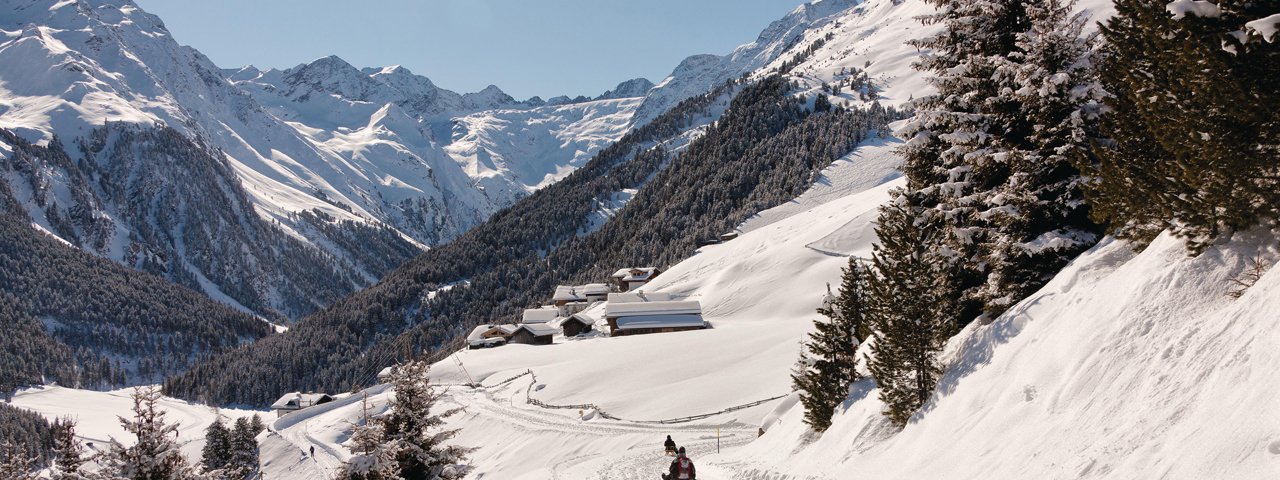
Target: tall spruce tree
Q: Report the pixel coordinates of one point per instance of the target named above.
(216, 454)
(956, 154)
(242, 439)
(828, 367)
(909, 307)
(409, 434)
(372, 459)
(1037, 219)
(1194, 137)
(155, 454)
(68, 451)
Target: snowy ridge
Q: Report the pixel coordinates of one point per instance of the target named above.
(699, 73)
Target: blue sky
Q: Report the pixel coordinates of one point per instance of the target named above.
(527, 47)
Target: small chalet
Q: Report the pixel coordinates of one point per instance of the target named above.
(485, 336)
(384, 375)
(539, 315)
(640, 313)
(629, 279)
(534, 334)
(292, 402)
(577, 324)
(571, 299)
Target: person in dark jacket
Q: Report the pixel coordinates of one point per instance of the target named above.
(671, 445)
(681, 468)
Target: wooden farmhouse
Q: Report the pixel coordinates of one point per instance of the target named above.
(571, 299)
(485, 336)
(640, 313)
(577, 324)
(292, 402)
(534, 334)
(629, 279)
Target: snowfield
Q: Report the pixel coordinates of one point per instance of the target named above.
(97, 415)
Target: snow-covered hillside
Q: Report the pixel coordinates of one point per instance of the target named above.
(758, 292)
(97, 415)
(1126, 365)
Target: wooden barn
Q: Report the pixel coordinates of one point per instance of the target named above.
(629, 279)
(571, 299)
(292, 402)
(533, 334)
(577, 324)
(485, 336)
(651, 314)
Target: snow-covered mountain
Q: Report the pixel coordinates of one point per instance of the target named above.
(328, 157)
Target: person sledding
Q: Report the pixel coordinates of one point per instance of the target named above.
(671, 446)
(681, 468)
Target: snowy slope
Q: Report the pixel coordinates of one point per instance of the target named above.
(1126, 365)
(758, 292)
(96, 415)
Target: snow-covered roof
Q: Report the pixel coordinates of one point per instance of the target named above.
(540, 315)
(570, 293)
(635, 274)
(660, 321)
(580, 317)
(478, 333)
(386, 372)
(639, 297)
(683, 307)
(539, 329)
(298, 400)
(476, 337)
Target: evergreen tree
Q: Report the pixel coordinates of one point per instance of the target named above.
(16, 463)
(216, 454)
(1037, 218)
(407, 442)
(911, 308)
(828, 366)
(372, 459)
(155, 455)
(67, 450)
(1194, 138)
(244, 449)
(956, 153)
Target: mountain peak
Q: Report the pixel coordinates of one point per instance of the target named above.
(636, 87)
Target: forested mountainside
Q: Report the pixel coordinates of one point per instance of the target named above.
(764, 150)
(166, 205)
(80, 320)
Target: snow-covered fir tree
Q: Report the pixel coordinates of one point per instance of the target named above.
(955, 156)
(216, 453)
(1037, 219)
(1194, 137)
(244, 450)
(155, 455)
(68, 451)
(828, 365)
(16, 463)
(908, 308)
(409, 434)
(372, 458)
